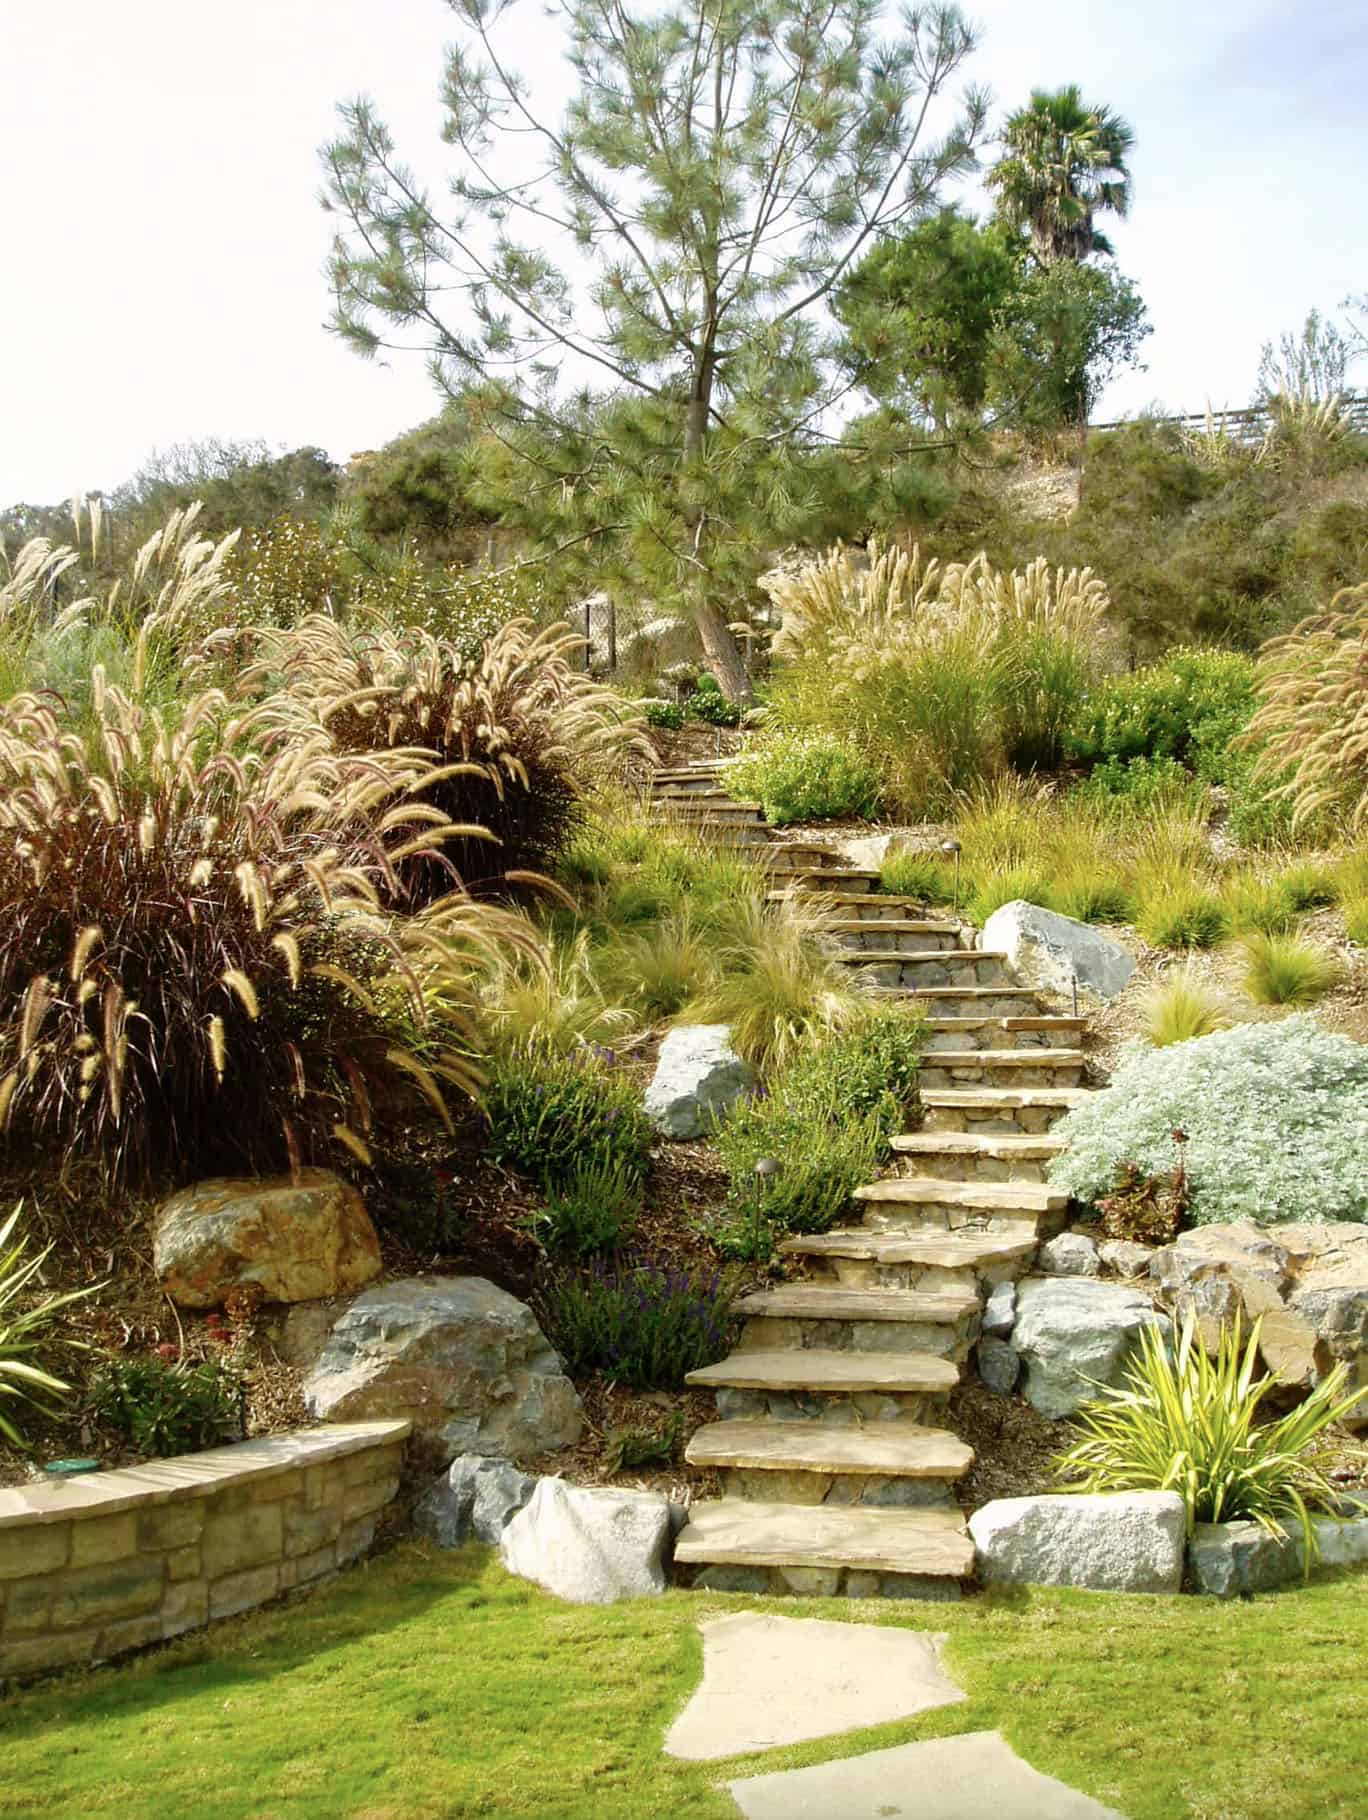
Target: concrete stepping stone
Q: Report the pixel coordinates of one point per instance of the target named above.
(769, 1681)
(976, 1776)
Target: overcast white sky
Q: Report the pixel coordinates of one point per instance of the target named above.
(163, 242)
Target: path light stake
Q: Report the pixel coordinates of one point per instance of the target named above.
(1075, 994)
(765, 1171)
(949, 847)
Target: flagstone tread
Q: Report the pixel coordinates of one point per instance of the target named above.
(861, 925)
(933, 1249)
(955, 957)
(830, 1302)
(1002, 1058)
(708, 804)
(951, 1026)
(934, 993)
(989, 1099)
(992, 1197)
(734, 1531)
(812, 1368)
(886, 900)
(1002, 1146)
(899, 1449)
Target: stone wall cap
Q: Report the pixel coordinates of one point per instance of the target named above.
(191, 1475)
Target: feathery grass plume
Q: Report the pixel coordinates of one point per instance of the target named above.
(25, 1326)
(1313, 714)
(521, 738)
(1280, 970)
(556, 1004)
(196, 970)
(660, 969)
(777, 987)
(847, 595)
(1187, 1422)
(1180, 1006)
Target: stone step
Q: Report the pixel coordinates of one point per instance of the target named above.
(897, 1449)
(807, 876)
(997, 1109)
(874, 902)
(823, 1302)
(1004, 1147)
(928, 957)
(736, 1532)
(1035, 1033)
(702, 767)
(817, 1369)
(700, 791)
(704, 808)
(861, 925)
(930, 1249)
(937, 995)
(1025, 1198)
(1038, 1065)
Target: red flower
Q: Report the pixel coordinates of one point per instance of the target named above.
(168, 1352)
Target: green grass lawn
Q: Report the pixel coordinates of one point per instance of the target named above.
(427, 1686)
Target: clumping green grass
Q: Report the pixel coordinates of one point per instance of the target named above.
(1280, 970)
(427, 1686)
(1181, 1007)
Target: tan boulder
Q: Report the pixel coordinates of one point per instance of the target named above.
(291, 1239)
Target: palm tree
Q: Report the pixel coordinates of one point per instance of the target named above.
(1062, 163)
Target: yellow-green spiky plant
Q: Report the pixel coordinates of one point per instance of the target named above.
(520, 737)
(1313, 715)
(196, 967)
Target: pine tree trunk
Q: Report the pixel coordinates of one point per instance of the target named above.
(723, 652)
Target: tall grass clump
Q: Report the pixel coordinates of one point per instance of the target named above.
(657, 971)
(1188, 1422)
(910, 873)
(1181, 1007)
(1280, 970)
(1255, 904)
(777, 987)
(197, 970)
(555, 1116)
(27, 1320)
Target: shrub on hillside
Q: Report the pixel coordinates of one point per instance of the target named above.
(520, 736)
(1274, 1115)
(196, 972)
(553, 1116)
(164, 1409)
(640, 1322)
(807, 778)
(1193, 703)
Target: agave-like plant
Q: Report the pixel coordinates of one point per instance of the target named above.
(1312, 720)
(24, 1326)
(196, 961)
(1190, 1422)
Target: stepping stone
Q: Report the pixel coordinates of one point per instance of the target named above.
(815, 1369)
(931, 1249)
(831, 1302)
(896, 1449)
(742, 1532)
(770, 1681)
(975, 1776)
(988, 1197)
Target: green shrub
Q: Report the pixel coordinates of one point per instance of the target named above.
(594, 1208)
(814, 777)
(1177, 915)
(1274, 1114)
(711, 706)
(552, 1116)
(167, 1408)
(1187, 1422)
(665, 714)
(1194, 702)
(1181, 1007)
(25, 1327)
(919, 874)
(1279, 970)
(1137, 782)
(639, 1322)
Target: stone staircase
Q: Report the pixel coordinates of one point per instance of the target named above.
(838, 1472)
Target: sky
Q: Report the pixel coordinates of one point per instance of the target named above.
(161, 268)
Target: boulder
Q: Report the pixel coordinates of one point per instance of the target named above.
(999, 1311)
(1070, 1254)
(698, 1077)
(1125, 1257)
(1125, 1542)
(289, 1238)
(1240, 1253)
(466, 1363)
(999, 1365)
(1073, 1333)
(1052, 951)
(1227, 1559)
(1344, 1543)
(590, 1545)
(472, 1500)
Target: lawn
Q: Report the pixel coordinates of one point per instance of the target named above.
(429, 1685)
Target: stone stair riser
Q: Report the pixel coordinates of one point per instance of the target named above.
(873, 939)
(944, 1340)
(858, 1273)
(822, 1583)
(946, 1001)
(954, 1168)
(1002, 1121)
(989, 1033)
(932, 1216)
(998, 1074)
(867, 1490)
(913, 973)
(877, 907)
(838, 1411)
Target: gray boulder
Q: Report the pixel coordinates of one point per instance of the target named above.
(465, 1362)
(999, 1312)
(1344, 1543)
(1125, 1257)
(1127, 1542)
(590, 1545)
(1227, 1559)
(699, 1077)
(1052, 951)
(472, 1500)
(999, 1365)
(1070, 1254)
(1074, 1333)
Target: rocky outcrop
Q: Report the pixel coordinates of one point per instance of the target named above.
(1070, 1254)
(1126, 1542)
(287, 1238)
(1052, 951)
(473, 1500)
(462, 1360)
(698, 1077)
(1073, 1333)
(590, 1545)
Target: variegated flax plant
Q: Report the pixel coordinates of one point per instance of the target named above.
(197, 969)
(520, 738)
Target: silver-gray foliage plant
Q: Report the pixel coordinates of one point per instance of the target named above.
(1276, 1116)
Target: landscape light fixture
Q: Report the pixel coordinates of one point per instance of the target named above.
(765, 1171)
(948, 848)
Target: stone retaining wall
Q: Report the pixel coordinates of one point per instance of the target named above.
(117, 1560)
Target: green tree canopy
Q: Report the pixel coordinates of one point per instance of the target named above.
(1068, 330)
(1062, 164)
(669, 247)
